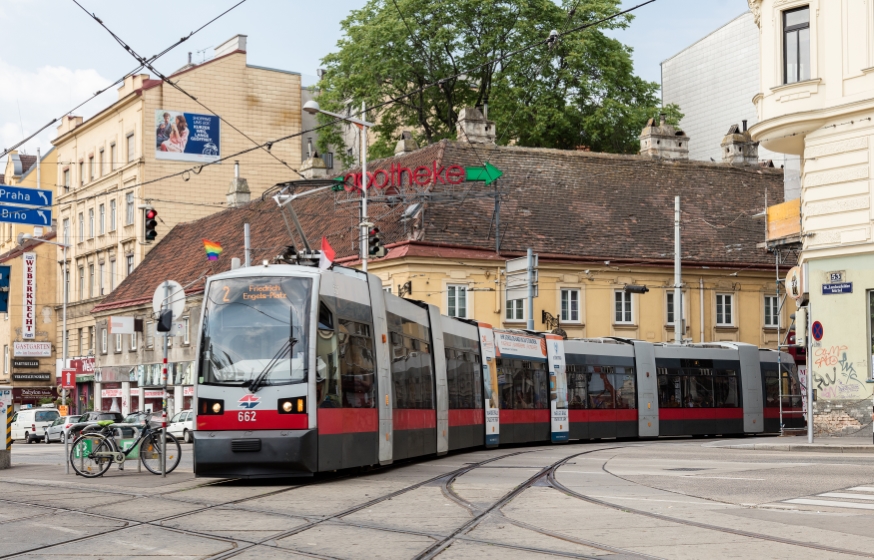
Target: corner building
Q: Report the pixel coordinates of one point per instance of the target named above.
(111, 168)
(816, 100)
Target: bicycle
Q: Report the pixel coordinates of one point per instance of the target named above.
(92, 453)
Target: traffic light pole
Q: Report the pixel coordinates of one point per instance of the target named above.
(164, 388)
(363, 241)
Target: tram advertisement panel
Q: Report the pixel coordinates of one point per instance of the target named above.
(557, 387)
(490, 385)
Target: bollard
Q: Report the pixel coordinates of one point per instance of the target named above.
(9, 414)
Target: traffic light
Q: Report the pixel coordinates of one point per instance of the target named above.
(165, 322)
(151, 223)
(374, 243)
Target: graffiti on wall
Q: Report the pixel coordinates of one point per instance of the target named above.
(836, 376)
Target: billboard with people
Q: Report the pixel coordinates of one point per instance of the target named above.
(181, 136)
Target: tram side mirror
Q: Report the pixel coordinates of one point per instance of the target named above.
(165, 322)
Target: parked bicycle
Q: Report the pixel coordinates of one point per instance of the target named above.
(94, 451)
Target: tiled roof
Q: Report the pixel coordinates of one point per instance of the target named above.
(2, 178)
(563, 204)
(26, 162)
(29, 245)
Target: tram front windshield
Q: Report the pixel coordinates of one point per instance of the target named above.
(255, 332)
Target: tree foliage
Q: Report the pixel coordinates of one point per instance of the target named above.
(581, 91)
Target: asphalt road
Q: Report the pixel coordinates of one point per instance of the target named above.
(53, 454)
(662, 499)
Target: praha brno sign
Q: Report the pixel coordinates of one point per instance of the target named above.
(29, 327)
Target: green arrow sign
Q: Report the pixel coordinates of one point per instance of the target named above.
(489, 173)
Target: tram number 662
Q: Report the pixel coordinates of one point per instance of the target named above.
(246, 416)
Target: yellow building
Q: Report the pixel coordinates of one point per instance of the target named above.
(121, 162)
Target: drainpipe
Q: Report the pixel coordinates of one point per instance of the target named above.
(701, 307)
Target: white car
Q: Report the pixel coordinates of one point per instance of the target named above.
(181, 425)
(29, 424)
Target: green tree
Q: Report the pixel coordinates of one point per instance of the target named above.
(581, 91)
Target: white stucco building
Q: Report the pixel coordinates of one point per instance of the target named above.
(816, 100)
(714, 81)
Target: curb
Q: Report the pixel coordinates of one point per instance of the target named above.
(804, 447)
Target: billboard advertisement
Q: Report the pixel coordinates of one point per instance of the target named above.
(181, 136)
(557, 387)
(490, 384)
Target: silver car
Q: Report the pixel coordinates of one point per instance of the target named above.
(59, 430)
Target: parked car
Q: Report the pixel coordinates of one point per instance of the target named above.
(59, 429)
(29, 424)
(181, 425)
(90, 419)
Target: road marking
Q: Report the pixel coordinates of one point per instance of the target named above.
(692, 476)
(652, 500)
(845, 495)
(862, 488)
(829, 503)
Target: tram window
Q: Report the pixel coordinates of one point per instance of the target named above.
(698, 391)
(576, 385)
(452, 378)
(328, 384)
(411, 373)
(600, 387)
(725, 391)
(791, 389)
(477, 380)
(624, 384)
(326, 318)
(772, 389)
(356, 365)
(670, 389)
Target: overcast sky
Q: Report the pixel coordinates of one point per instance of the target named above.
(53, 56)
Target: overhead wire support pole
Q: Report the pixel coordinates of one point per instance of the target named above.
(779, 349)
(530, 289)
(164, 307)
(365, 247)
(678, 277)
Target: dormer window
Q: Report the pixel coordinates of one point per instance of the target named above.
(796, 45)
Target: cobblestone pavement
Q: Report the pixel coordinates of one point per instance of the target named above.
(680, 498)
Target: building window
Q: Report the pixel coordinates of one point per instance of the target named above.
(772, 311)
(66, 231)
(456, 301)
(81, 282)
(622, 300)
(91, 170)
(117, 343)
(670, 306)
(130, 264)
(796, 45)
(66, 180)
(81, 173)
(90, 223)
(81, 227)
(104, 342)
(129, 207)
(67, 284)
(131, 147)
(102, 218)
(570, 306)
(80, 342)
(724, 304)
(91, 340)
(111, 274)
(100, 276)
(101, 162)
(112, 215)
(516, 310)
(150, 334)
(113, 156)
(133, 342)
(90, 280)
(186, 336)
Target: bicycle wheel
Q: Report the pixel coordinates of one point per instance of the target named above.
(82, 455)
(150, 452)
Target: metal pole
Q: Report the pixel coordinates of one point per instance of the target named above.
(64, 351)
(809, 372)
(779, 350)
(164, 387)
(246, 243)
(497, 221)
(364, 246)
(530, 290)
(678, 277)
(38, 175)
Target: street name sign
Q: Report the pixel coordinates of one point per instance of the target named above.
(837, 288)
(25, 197)
(26, 216)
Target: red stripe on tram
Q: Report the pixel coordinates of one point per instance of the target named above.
(413, 419)
(603, 415)
(347, 420)
(252, 420)
(701, 413)
(466, 417)
(534, 416)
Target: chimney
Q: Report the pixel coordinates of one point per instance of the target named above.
(68, 123)
(238, 193)
(664, 141)
(132, 84)
(738, 147)
(474, 128)
(235, 43)
(406, 144)
(313, 167)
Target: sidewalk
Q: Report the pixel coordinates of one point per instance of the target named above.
(850, 444)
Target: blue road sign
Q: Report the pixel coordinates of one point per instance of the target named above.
(28, 216)
(25, 197)
(837, 288)
(5, 271)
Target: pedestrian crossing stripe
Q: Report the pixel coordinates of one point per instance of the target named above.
(829, 503)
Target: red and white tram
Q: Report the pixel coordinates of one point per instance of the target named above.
(302, 370)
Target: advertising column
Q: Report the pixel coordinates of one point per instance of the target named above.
(490, 385)
(557, 387)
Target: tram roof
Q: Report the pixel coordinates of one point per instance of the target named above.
(566, 205)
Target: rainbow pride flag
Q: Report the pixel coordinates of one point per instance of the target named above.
(213, 249)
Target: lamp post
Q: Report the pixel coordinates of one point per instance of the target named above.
(24, 238)
(312, 107)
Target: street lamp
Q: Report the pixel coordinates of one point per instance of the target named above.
(312, 107)
(24, 237)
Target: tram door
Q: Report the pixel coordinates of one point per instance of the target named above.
(490, 385)
(559, 421)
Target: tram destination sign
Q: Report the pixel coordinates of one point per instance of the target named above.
(837, 288)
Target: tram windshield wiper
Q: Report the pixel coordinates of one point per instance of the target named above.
(255, 384)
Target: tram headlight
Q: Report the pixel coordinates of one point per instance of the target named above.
(292, 405)
(217, 408)
(210, 407)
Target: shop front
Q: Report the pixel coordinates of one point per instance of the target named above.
(24, 397)
(133, 388)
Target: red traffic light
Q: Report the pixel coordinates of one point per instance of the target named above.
(374, 231)
(151, 214)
